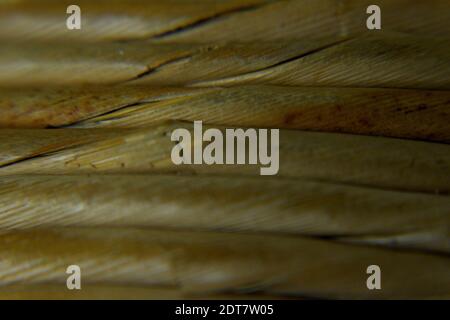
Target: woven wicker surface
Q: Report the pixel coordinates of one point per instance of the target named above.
(86, 176)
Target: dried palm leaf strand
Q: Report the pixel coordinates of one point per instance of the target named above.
(212, 21)
(40, 63)
(227, 204)
(61, 106)
(396, 61)
(415, 114)
(115, 292)
(391, 61)
(213, 263)
(34, 143)
(311, 18)
(402, 113)
(364, 160)
(111, 19)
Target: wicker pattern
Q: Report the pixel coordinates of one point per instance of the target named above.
(86, 176)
